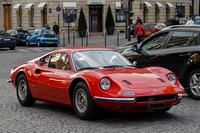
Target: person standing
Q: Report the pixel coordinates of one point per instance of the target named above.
(139, 31)
(139, 20)
(176, 21)
(190, 21)
(56, 28)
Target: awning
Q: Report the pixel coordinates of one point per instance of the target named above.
(28, 6)
(170, 5)
(95, 2)
(117, 5)
(69, 5)
(148, 5)
(41, 6)
(160, 6)
(16, 7)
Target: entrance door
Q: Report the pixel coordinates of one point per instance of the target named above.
(7, 17)
(95, 18)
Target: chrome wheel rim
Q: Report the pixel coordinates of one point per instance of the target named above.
(195, 84)
(81, 100)
(22, 89)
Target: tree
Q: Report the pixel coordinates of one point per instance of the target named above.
(82, 25)
(110, 24)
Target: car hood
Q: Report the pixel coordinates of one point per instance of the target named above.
(134, 78)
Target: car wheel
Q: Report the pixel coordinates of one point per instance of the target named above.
(23, 92)
(27, 43)
(193, 84)
(38, 44)
(84, 105)
(12, 48)
(162, 110)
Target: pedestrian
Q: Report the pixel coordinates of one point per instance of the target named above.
(56, 28)
(176, 21)
(139, 20)
(47, 26)
(190, 21)
(179, 14)
(139, 31)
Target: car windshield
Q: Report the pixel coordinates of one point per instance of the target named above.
(22, 32)
(98, 59)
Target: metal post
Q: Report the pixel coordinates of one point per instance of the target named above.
(63, 39)
(87, 34)
(82, 37)
(126, 25)
(105, 37)
(68, 28)
(73, 38)
(192, 13)
(117, 37)
(129, 9)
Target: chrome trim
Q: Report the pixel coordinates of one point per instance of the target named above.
(9, 80)
(120, 100)
(180, 96)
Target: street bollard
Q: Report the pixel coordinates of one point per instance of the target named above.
(87, 35)
(82, 37)
(73, 38)
(63, 38)
(105, 37)
(117, 37)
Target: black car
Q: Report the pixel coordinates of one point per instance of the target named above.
(20, 35)
(7, 40)
(177, 49)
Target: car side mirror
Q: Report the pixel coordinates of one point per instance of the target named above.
(135, 48)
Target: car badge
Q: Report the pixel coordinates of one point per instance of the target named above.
(155, 90)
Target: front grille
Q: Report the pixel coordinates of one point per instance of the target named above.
(155, 98)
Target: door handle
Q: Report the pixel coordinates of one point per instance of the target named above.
(154, 57)
(185, 54)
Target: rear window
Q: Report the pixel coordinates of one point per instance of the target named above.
(3, 33)
(22, 32)
(48, 32)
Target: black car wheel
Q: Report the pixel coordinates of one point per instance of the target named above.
(38, 44)
(193, 84)
(23, 92)
(27, 43)
(12, 48)
(84, 105)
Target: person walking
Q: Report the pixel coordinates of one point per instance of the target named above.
(190, 21)
(56, 28)
(176, 21)
(139, 31)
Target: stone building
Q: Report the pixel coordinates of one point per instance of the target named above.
(31, 14)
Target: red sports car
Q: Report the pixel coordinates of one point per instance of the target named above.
(90, 78)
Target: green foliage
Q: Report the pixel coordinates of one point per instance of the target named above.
(109, 19)
(82, 25)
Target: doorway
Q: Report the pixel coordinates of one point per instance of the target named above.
(95, 18)
(7, 17)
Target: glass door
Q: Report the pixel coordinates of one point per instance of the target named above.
(95, 18)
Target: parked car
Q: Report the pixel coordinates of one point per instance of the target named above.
(20, 35)
(90, 78)
(177, 49)
(182, 21)
(7, 40)
(42, 37)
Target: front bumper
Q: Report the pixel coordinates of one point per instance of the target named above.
(118, 100)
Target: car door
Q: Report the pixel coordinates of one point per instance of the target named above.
(35, 36)
(30, 37)
(153, 46)
(53, 78)
(178, 50)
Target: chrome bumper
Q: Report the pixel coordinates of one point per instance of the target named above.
(180, 96)
(9, 80)
(117, 100)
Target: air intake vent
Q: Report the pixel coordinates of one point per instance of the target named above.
(126, 82)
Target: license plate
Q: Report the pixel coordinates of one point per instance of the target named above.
(49, 42)
(23, 40)
(6, 39)
(148, 32)
(156, 106)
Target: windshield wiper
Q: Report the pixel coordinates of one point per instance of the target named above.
(113, 66)
(85, 68)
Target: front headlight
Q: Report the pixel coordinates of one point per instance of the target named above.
(172, 78)
(105, 84)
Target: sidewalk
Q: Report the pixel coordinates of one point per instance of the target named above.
(109, 41)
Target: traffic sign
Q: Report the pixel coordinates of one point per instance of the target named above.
(58, 9)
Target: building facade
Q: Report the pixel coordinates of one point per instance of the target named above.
(31, 14)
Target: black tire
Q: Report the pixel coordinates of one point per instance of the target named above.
(38, 43)
(193, 84)
(12, 48)
(89, 109)
(162, 110)
(27, 43)
(23, 92)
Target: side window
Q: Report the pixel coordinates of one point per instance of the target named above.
(156, 43)
(180, 39)
(36, 32)
(44, 61)
(193, 40)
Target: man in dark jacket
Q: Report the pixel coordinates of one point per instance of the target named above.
(56, 28)
(139, 20)
(175, 21)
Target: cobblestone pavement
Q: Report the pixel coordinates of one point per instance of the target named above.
(49, 118)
